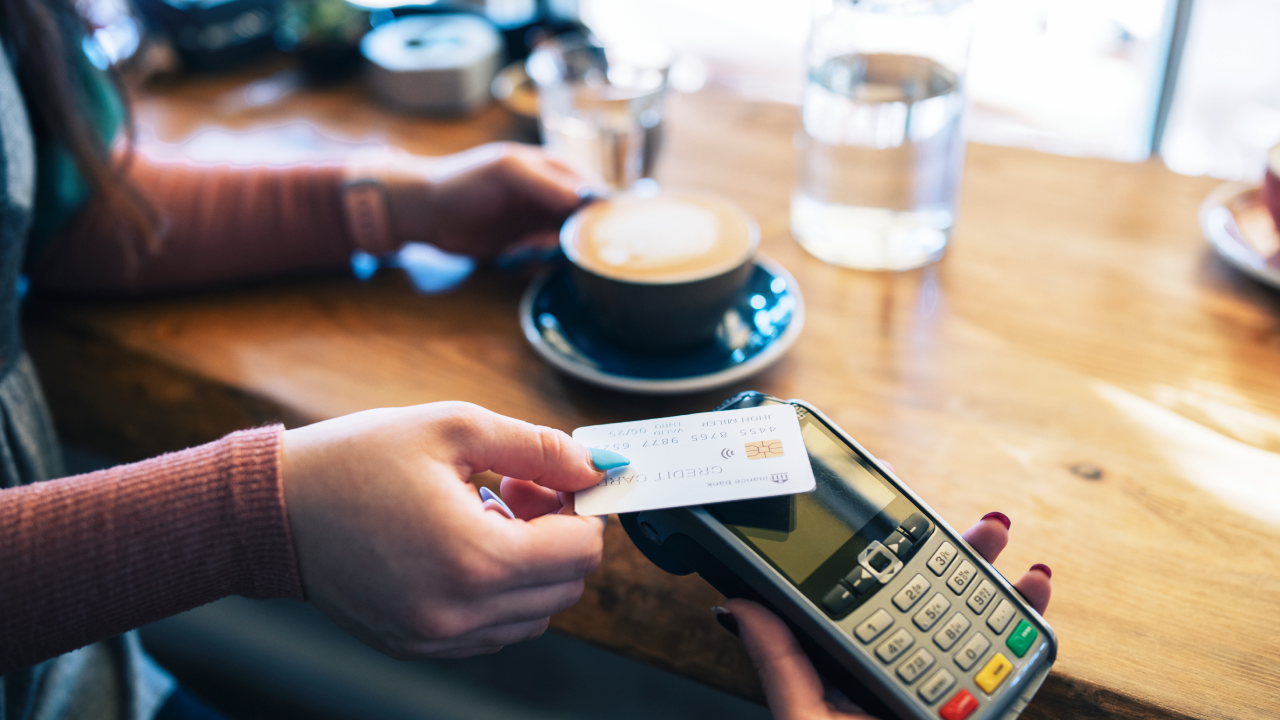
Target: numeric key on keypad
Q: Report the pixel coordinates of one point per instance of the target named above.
(915, 666)
(932, 612)
(942, 557)
(982, 597)
(952, 631)
(936, 686)
(960, 579)
(972, 651)
(871, 628)
(911, 593)
(897, 644)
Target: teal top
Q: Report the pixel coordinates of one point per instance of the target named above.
(60, 190)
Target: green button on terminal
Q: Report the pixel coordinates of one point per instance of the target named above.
(1022, 638)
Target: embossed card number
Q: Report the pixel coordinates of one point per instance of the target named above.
(698, 459)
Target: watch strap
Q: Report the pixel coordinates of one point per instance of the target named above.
(368, 218)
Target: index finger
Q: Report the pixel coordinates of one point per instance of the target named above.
(989, 536)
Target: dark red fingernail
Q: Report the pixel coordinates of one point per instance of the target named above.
(1044, 569)
(726, 620)
(1000, 518)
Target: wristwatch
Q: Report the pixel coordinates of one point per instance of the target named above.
(364, 203)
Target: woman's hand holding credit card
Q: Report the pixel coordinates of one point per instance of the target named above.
(394, 544)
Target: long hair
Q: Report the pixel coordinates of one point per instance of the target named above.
(44, 36)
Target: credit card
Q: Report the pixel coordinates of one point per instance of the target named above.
(709, 457)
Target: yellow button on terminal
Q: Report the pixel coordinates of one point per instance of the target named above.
(996, 670)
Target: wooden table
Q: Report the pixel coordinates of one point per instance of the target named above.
(1079, 361)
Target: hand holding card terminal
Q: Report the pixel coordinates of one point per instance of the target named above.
(890, 603)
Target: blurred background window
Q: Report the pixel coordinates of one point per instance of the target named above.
(1077, 77)
(1226, 107)
(1194, 80)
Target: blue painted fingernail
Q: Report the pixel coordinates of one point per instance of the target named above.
(487, 494)
(607, 459)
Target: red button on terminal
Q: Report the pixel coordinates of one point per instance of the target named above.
(959, 707)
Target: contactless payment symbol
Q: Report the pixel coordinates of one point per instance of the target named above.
(764, 449)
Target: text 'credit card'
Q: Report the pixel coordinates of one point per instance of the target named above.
(697, 459)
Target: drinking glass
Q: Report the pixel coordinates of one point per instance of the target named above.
(880, 145)
(601, 108)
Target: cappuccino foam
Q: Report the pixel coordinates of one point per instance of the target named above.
(665, 238)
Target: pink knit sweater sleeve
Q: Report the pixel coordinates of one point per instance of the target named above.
(87, 557)
(218, 224)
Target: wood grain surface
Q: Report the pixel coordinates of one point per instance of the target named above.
(1079, 361)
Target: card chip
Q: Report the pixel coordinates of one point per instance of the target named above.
(764, 449)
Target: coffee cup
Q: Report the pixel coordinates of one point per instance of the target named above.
(659, 270)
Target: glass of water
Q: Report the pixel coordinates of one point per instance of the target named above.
(601, 108)
(880, 147)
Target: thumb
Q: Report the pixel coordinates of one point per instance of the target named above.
(525, 451)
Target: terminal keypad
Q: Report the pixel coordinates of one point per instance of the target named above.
(954, 627)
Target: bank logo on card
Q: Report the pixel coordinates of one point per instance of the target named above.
(763, 449)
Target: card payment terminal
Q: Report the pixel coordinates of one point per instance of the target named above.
(893, 607)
